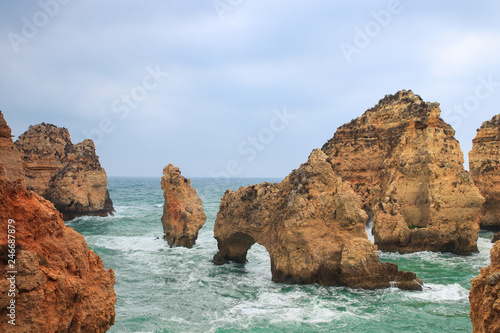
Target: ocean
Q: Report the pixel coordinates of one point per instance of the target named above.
(163, 289)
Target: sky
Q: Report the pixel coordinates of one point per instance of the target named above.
(238, 88)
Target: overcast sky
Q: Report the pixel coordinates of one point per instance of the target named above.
(239, 87)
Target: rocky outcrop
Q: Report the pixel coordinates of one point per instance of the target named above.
(10, 158)
(183, 214)
(59, 284)
(68, 175)
(404, 161)
(484, 296)
(313, 226)
(484, 166)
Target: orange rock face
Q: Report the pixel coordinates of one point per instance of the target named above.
(404, 161)
(9, 155)
(183, 214)
(313, 227)
(60, 285)
(484, 166)
(70, 176)
(484, 296)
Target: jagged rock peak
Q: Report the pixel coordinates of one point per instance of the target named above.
(70, 176)
(183, 214)
(312, 226)
(10, 158)
(5, 131)
(61, 285)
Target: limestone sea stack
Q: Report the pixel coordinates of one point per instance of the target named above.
(484, 166)
(406, 164)
(313, 227)
(70, 176)
(9, 155)
(484, 296)
(59, 284)
(183, 214)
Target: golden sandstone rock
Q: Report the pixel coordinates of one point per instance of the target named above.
(50, 281)
(70, 176)
(484, 296)
(183, 214)
(484, 165)
(404, 161)
(313, 226)
(59, 285)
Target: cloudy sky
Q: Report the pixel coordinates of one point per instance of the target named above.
(238, 87)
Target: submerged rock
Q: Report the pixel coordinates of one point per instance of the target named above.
(60, 285)
(404, 161)
(70, 176)
(313, 227)
(485, 294)
(10, 158)
(484, 166)
(183, 214)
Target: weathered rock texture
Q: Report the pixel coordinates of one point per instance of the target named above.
(313, 227)
(10, 158)
(484, 296)
(404, 161)
(183, 214)
(70, 176)
(60, 285)
(484, 166)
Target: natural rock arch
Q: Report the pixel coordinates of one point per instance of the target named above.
(312, 226)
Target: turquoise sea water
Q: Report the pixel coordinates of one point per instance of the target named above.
(162, 289)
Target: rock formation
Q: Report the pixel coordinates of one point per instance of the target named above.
(484, 166)
(313, 227)
(10, 158)
(60, 285)
(70, 176)
(183, 214)
(484, 296)
(404, 161)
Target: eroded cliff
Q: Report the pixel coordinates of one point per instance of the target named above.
(484, 166)
(313, 226)
(70, 176)
(404, 161)
(183, 214)
(59, 284)
(484, 296)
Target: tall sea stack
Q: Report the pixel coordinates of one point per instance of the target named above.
(183, 214)
(484, 166)
(70, 176)
(405, 163)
